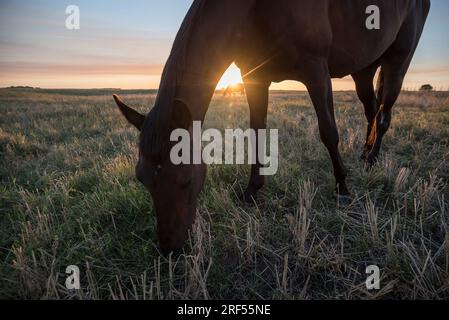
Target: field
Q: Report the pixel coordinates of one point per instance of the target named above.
(68, 196)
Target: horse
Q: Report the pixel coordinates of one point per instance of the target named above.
(311, 41)
(233, 89)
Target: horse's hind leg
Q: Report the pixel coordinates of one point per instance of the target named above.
(365, 91)
(394, 66)
(257, 96)
(393, 80)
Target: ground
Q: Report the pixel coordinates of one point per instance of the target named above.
(68, 196)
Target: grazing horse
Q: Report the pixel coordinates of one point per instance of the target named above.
(234, 89)
(311, 41)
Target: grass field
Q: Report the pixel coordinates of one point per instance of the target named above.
(68, 196)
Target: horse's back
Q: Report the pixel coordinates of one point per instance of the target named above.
(336, 28)
(355, 46)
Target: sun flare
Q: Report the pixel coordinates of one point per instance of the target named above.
(231, 77)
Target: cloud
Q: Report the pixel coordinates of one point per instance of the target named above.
(430, 70)
(33, 69)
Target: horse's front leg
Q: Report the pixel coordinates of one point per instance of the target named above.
(319, 85)
(257, 96)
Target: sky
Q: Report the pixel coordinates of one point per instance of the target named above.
(124, 44)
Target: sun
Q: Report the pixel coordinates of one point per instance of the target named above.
(231, 77)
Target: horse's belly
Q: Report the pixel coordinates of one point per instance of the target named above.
(341, 63)
(347, 57)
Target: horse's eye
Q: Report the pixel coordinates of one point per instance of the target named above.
(158, 169)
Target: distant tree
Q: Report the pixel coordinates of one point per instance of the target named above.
(426, 87)
(22, 87)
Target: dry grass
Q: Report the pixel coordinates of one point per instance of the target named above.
(68, 196)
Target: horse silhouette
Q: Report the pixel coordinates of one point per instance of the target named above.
(234, 89)
(311, 41)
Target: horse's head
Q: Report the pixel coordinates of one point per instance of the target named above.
(174, 188)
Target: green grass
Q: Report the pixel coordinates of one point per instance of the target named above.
(68, 196)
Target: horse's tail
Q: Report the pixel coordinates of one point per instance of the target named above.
(380, 87)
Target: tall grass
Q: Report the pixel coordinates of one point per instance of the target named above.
(68, 196)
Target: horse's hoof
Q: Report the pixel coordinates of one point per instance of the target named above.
(344, 200)
(250, 195)
(249, 198)
(370, 161)
(251, 192)
(364, 155)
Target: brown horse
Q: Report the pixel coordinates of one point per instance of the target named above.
(310, 41)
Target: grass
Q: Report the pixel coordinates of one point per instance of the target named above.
(68, 196)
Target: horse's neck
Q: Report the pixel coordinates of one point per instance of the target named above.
(201, 53)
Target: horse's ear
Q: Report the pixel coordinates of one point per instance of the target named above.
(133, 117)
(181, 116)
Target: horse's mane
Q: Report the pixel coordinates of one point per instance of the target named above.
(154, 137)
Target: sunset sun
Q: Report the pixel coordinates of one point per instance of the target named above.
(231, 77)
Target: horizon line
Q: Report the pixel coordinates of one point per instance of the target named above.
(157, 89)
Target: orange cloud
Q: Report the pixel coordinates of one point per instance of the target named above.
(34, 69)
